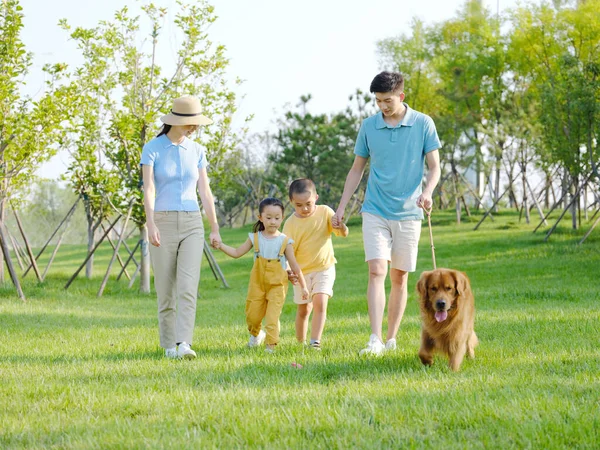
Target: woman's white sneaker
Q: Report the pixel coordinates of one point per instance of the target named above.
(184, 351)
(171, 353)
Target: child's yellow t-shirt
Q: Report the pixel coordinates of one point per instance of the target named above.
(312, 239)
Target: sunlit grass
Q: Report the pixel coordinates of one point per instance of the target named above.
(79, 371)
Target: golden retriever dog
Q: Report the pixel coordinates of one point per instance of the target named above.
(448, 316)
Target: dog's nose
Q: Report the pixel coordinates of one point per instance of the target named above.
(440, 305)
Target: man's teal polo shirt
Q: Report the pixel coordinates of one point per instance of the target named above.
(397, 157)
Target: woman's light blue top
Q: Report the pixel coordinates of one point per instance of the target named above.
(175, 172)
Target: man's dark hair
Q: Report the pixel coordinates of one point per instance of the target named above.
(387, 82)
(301, 186)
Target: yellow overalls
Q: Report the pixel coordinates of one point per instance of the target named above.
(266, 293)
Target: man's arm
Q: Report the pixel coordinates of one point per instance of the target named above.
(433, 177)
(352, 181)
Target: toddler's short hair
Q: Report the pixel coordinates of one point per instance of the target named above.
(302, 185)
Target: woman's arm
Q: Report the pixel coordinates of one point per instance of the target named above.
(291, 258)
(149, 198)
(235, 252)
(208, 202)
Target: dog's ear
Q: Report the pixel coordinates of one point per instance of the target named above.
(422, 285)
(462, 282)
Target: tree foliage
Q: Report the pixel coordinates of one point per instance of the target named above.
(124, 91)
(319, 147)
(30, 129)
(507, 92)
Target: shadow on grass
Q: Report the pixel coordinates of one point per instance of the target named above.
(324, 372)
(37, 322)
(82, 357)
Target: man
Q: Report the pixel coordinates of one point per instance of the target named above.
(397, 140)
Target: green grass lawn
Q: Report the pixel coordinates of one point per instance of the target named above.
(77, 371)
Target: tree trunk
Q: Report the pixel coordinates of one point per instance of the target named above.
(89, 267)
(11, 269)
(245, 215)
(585, 203)
(2, 214)
(497, 184)
(456, 194)
(565, 188)
(536, 202)
(144, 261)
(458, 210)
(547, 191)
(525, 204)
(574, 190)
(512, 198)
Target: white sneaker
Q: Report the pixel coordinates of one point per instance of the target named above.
(171, 353)
(374, 347)
(255, 341)
(390, 344)
(315, 346)
(184, 351)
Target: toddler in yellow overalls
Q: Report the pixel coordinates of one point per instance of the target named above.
(269, 279)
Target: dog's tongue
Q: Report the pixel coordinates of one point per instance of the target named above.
(440, 316)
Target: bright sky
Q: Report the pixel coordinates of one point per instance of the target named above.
(281, 48)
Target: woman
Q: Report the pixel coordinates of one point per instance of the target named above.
(173, 168)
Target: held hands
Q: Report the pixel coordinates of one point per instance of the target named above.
(337, 221)
(215, 239)
(292, 277)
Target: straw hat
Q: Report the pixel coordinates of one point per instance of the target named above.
(186, 111)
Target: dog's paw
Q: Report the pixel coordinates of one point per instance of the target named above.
(426, 359)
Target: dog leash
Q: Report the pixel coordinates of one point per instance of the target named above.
(428, 212)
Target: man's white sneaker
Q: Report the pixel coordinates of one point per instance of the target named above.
(171, 353)
(184, 351)
(255, 341)
(374, 347)
(390, 344)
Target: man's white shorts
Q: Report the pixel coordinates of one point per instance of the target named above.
(317, 283)
(396, 241)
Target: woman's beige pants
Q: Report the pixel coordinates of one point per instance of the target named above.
(176, 265)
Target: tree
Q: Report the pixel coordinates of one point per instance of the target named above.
(30, 130)
(88, 174)
(134, 93)
(319, 147)
(558, 48)
(252, 171)
(411, 55)
(453, 70)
